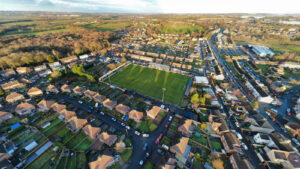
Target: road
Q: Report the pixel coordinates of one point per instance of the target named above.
(137, 141)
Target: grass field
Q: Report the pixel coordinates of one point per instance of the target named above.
(151, 81)
(106, 26)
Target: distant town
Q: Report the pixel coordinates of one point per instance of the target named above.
(220, 92)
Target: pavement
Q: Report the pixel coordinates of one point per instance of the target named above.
(137, 141)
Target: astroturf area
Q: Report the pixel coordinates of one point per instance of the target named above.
(151, 81)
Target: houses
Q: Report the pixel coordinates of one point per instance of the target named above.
(170, 164)
(286, 159)
(123, 109)
(201, 80)
(58, 107)
(40, 68)
(294, 128)
(92, 132)
(5, 116)
(77, 124)
(67, 115)
(24, 108)
(264, 139)
(187, 128)
(8, 72)
(260, 124)
(69, 59)
(23, 70)
(238, 162)
(152, 113)
(135, 115)
(55, 66)
(90, 94)
(14, 97)
(45, 105)
(65, 88)
(12, 85)
(51, 88)
(231, 143)
(181, 150)
(103, 162)
(78, 90)
(99, 98)
(33, 92)
(109, 104)
(107, 138)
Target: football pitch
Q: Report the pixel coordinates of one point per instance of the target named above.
(151, 82)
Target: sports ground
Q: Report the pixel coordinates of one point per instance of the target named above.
(151, 82)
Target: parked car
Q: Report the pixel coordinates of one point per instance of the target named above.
(244, 146)
(145, 146)
(114, 119)
(158, 138)
(296, 141)
(102, 113)
(137, 133)
(167, 124)
(145, 135)
(160, 151)
(123, 124)
(170, 118)
(127, 127)
(141, 162)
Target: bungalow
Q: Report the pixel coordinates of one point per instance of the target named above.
(107, 139)
(92, 132)
(294, 128)
(24, 108)
(109, 104)
(78, 90)
(12, 85)
(123, 109)
(14, 97)
(135, 115)
(45, 105)
(77, 124)
(40, 68)
(5, 116)
(285, 158)
(58, 107)
(187, 128)
(23, 70)
(69, 59)
(181, 150)
(32, 92)
(67, 115)
(103, 162)
(51, 88)
(90, 94)
(55, 66)
(66, 88)
(152, 113)
(8, 72)
(99, 98)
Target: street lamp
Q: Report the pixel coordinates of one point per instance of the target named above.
(163, 96)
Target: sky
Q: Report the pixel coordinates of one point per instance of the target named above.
(154, 6)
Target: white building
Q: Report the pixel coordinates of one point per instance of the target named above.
(264, 139)
(262, 51)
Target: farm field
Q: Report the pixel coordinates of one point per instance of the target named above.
(151, 81)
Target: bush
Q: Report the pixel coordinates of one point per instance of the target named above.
(152, 127)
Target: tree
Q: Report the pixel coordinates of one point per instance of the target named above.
(111, 66)
(218, 164)
(197, 156)
(50, 59)
(1, 92)
(255, 105)
(123, 60)
(56, 74)
(195, 98)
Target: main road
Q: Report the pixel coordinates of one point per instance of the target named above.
(138, 142)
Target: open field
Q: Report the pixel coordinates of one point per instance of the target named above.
(151, 81)
(106, 26)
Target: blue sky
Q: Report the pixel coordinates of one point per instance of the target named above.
(154, 6)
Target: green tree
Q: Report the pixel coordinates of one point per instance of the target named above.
(1, 92)
(195, 98)
(50, 59)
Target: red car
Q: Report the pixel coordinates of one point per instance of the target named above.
(167, 124)
(158, 138)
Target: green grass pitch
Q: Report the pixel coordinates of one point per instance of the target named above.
(151, 81)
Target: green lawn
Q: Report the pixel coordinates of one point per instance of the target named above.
(216, 145)
(202, 140)
(151, 81)
(106, 26)
(55, 124)
(263, 68)
(76, 141)
(84, 144)
(148, 165)
(126, 154)
(147, 126)
(81, 160)
(42, 159)
(71, 163)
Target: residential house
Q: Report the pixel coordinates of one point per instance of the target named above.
(82, 57)
(77, 124)
(12, 85)
(23, 70)
(264, 139)
(40, 68)
(69, 59)
(90, 94)
(231, 143)
(92, 132)
(109, 104)
(123, 109)
(5, 116)
(294, 128)
(103, 162)
(259, 124)
(32, 92)
(238, 162)
(8, 72)
(66, 88)
(55, 66)
(45, 73)
(45, 105)
(107, 139)
(170, 164)
(99, 98)
(58, 107)
(186, 128)
(24, 108)
(136, 115)
(181, 150)
(51, 88)
(14, 97)
(290, 160)
(78, 90)
(67, 115)
(152, 113)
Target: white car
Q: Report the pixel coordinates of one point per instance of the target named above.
(145, 135)
(244, 146)
(170, 118)
(137, 133)
(123, 124)
(102, 113)
(141, 162)
(80, 102)
(127, 127)
(239, 135)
